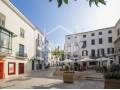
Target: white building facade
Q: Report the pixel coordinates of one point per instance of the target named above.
(38, 61)
(95, 45)
(90, 44)
(17, 41)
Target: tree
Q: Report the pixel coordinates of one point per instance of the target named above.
(96, 2)
(58, 53)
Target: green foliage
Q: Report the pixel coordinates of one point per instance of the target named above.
(58, 53)
(113, 72)
(112, 75)
(96, 2)
(115, 68)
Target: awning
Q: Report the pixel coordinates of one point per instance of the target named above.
(67, 61)
(86, 60)
(103, 59)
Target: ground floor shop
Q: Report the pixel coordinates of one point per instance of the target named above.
(12, 68)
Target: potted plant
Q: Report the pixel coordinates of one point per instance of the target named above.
(68, 75)
(112, 77)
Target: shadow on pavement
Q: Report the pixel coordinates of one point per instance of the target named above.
(19, 79)
(53, 86)
(83, 84)
(43, 74)
(7, 86)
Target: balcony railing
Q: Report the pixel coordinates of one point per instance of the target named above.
(21, 55)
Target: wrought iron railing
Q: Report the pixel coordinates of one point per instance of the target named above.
(22, 55)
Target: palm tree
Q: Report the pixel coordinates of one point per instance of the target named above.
(96, 2)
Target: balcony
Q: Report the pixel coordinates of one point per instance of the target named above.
(20, 55)
(5, 52)
(5, 42)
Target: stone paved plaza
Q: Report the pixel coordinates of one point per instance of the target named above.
(46, 80)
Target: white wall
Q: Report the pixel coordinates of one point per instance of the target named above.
(88, 38)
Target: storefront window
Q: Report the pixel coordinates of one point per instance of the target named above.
(11, 68)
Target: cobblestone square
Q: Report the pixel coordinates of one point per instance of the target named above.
(46, 80)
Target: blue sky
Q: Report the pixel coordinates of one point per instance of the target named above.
(75, 17)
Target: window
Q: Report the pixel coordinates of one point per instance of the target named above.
(22, 33)
(109, 39)
(5, 41)
(92, 34)
(75, 36)
(2, 20)
(93, 53)
(118, 32)
(102, 52)
(11, 68)
(100, 33)
(93, 42)
(68, 38)
(110, 31)
(38, 36)
(98, 52)
(119, 59)
(84, 44)
(38, 40)
(100, 41)
(21, 50)
(110, 50)
(84, 36)
(118, 49)
(85, 53)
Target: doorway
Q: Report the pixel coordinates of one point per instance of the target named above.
(33, 65)
(1, 70)
(21, 68)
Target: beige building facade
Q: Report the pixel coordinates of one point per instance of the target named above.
(117, 42)
(17, 41)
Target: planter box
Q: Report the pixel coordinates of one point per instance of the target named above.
(62, 69)
(112, 84)
(68, 77)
